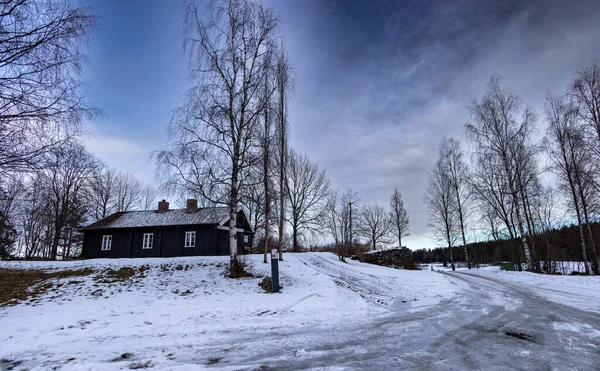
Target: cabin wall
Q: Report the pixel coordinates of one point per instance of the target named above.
(206, 242)
(137, 239)
(244, 240)
(222, 242)
(172, 242)
(92, 243)
(168, 242)
(242, 246)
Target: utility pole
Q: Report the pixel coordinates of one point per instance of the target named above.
(351, 240)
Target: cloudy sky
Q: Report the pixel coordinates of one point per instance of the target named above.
(378, 83)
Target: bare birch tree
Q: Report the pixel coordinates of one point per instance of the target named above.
(492, 195)
(284, 83)
(307, 191)
(441, 205)
(101, 192)
(127, 191)
(549, 220)
(375, 224)
(500, 131)
(267, 139)
(213, 135)
(148, 198)
(399, 217)
(36, 219)
(66, 175)
(333, 201)
(41, 96)
(340, 220)
(452, 155)
(586, 91)
(562, 144)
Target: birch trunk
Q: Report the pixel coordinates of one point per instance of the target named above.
(266, 159)
(233, 201)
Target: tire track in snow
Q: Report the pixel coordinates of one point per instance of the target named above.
(474, 330)
(367, 286)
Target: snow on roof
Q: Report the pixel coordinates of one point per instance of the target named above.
(155, 218)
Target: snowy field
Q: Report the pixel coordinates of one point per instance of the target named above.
(182, 313)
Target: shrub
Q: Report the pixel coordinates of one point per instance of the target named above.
(239, 268)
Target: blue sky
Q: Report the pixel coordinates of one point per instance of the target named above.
(137, 76)
(378, 83)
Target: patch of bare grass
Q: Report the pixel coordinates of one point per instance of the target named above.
(26, 284)
(122, 274)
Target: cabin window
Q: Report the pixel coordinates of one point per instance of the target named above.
(246, 239)
(106, 242)
(148, 239)
(190, 239)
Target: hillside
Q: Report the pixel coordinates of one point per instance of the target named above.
(112, 314)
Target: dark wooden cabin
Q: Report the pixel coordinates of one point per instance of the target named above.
(165, 232)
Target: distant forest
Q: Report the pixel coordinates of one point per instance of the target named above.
(555, 245)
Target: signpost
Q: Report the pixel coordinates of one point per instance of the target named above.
(274, 269)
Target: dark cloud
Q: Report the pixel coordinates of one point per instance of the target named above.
(380, 83)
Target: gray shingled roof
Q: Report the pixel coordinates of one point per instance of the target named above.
(154, 218)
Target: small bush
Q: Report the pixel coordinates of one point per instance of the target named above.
(239, 268)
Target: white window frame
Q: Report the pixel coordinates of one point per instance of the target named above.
(148, 241)
(106, 242)
(191, 240)
(246, 238)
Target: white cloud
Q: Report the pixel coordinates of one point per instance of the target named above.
(123, 154)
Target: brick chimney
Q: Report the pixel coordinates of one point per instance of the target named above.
(163, 205)
(191, 204)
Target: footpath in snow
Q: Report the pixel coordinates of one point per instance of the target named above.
(181, 312)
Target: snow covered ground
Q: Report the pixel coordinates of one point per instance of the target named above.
(182, 313)
(575, 291)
